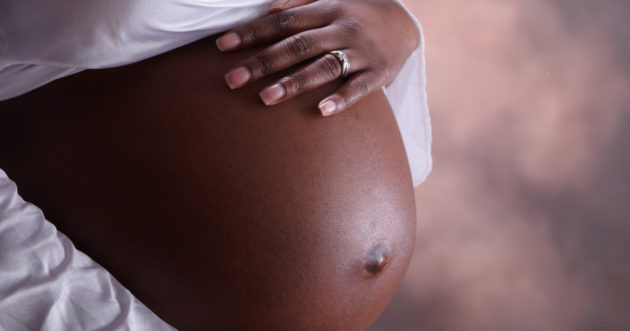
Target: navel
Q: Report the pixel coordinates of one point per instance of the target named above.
(376, 260)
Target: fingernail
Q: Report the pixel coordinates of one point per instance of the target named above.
(327, 107)
(228, 41)
(237, 77)
(272, 94)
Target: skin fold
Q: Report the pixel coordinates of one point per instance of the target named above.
(216, 211)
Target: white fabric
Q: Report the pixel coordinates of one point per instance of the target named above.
(408, 97)
(41, 41)
(45, 283)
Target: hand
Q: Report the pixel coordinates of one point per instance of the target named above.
(376, 35)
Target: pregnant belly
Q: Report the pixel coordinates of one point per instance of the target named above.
(214, 210)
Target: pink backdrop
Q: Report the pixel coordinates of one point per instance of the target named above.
(525, 222)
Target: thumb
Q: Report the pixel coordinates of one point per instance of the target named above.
(280, 5)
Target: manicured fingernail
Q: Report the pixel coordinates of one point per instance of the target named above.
(229, 41)
(238, 77)
(327, 107)
(272, 94)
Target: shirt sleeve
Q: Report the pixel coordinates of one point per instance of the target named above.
(47, 284)
(408, 98)
(44, 40)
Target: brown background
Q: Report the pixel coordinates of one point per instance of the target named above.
(525, 222)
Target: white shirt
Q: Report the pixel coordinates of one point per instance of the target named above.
(45, 283)
(41, 41)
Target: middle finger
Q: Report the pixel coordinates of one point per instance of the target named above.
(288, 52)
(322, 71)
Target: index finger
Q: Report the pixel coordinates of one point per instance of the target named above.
(274, 26)
(280, 5)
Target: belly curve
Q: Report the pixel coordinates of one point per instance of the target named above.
(212, 208)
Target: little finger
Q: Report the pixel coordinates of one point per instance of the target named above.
(355, 89)
(324, 70)
(291, 51)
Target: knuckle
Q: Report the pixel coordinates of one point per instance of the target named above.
(326, 7)
(331, 65)
(358, 90)
(249, 34)
(284, 21)
(300, 45)
(351, 27)
(334, 7)
(263, 64)
(363, 88)
(295, 82)
(347, 99)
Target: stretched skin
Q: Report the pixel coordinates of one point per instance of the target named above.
(214, 210)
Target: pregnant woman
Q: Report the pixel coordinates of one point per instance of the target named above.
(197, 169)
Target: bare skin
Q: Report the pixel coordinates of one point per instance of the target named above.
(214, 211)
(376, 35)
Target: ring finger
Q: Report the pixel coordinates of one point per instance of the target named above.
(288, 52)
(322, 71)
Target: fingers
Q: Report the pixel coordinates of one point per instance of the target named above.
(358, 87)
(293, 50)
(281, 5)
(324, 70)
(308, 29)
(273, 27)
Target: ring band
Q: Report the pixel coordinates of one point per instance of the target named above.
(344, 61)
